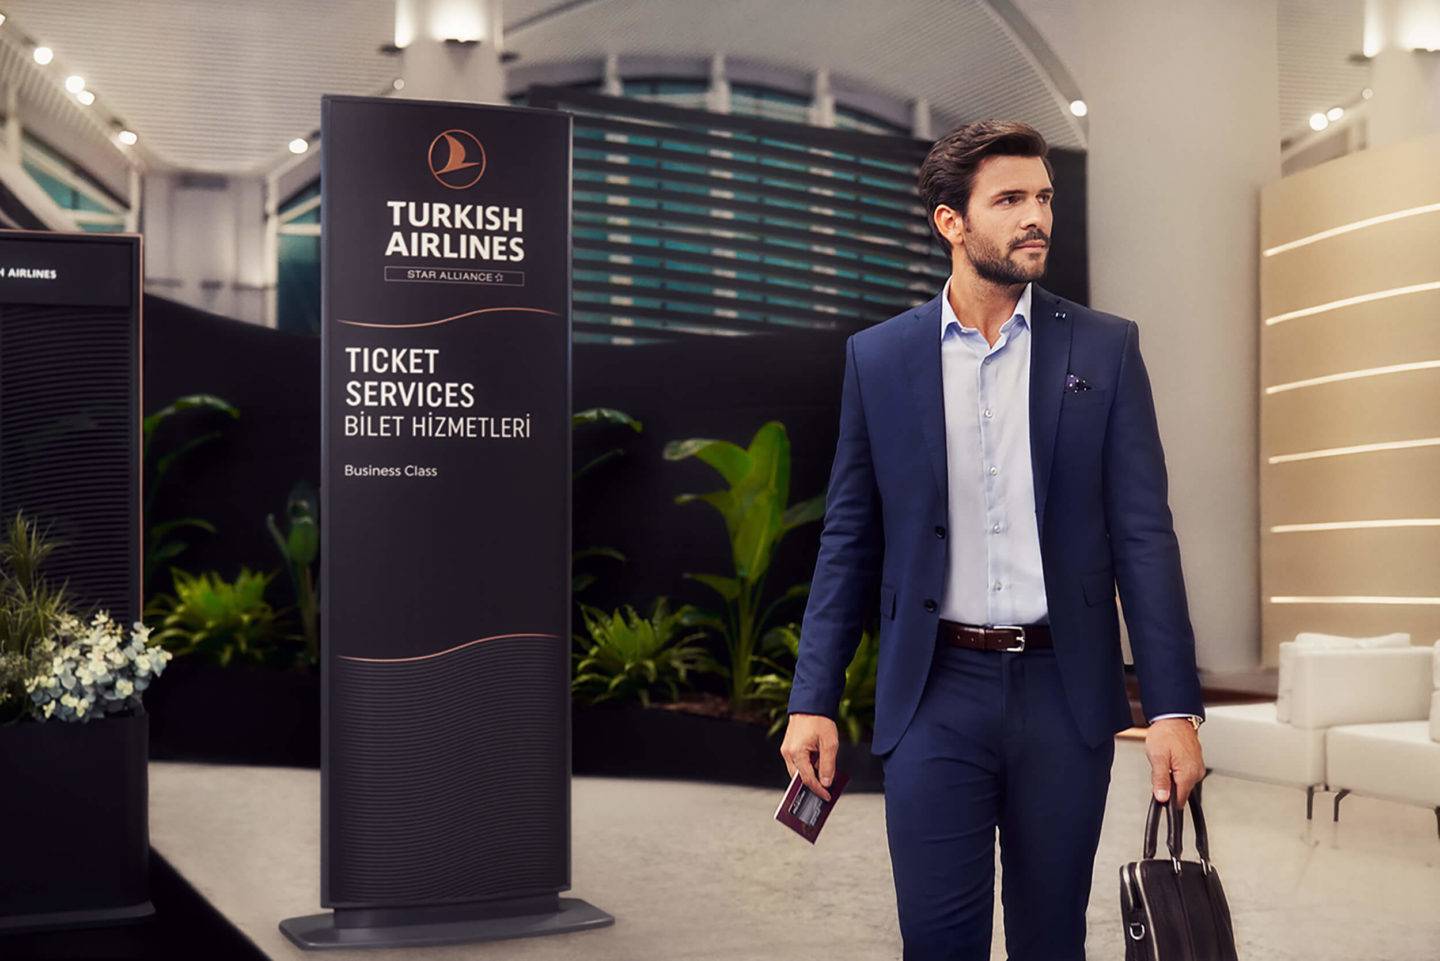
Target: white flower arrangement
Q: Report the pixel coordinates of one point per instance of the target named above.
(89, 670)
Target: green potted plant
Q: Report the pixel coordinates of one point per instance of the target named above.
(625, 657)
(755, 507)
(629, 671)
(234, 650)
(73, 750)
(224, 622)
(299, 546)
(856, 716)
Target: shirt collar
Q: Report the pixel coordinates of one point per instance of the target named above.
(947, 313)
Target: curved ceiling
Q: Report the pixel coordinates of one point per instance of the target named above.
(1317, 39)
(960, 55)
(215, 85)
(222, 86)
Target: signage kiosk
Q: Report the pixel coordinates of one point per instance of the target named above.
(445, 512)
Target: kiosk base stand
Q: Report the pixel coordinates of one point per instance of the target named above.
(447, 924)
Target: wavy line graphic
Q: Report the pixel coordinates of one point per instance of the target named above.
(452, 650)
(446, 320)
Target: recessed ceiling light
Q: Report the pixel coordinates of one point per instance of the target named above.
(1079, 108)
(299, 145)
(127, 137)
(74, 83)
(399, 83)
(1318, 121)
(1367, 93)
(43, 55)
(1334, 114)
(85, 97)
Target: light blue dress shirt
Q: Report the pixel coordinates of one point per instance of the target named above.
(995, 575)
(993, 548)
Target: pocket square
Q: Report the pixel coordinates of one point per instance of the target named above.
(1075, 384)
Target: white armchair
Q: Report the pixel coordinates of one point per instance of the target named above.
(1249, 741)
(1398, 757)
(1325, 681)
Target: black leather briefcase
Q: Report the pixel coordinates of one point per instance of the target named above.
(1172, 909)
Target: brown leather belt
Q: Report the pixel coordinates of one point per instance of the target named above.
(994, 637)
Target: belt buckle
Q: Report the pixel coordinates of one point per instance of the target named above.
(1016, 627)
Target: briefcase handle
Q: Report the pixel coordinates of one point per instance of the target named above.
(1175, 827)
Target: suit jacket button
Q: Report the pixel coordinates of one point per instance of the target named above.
(939, 531)
(929, 604)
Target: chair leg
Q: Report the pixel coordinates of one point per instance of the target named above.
(1338, 798)
(1309, 802)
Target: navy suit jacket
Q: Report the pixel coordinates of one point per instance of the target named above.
(1101, 509)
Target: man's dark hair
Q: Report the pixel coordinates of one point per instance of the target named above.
(948, 172)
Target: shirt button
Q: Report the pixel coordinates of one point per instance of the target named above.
(997, 585)
(996, 528)
(987, 412)
(929, 604)
(939, 531)
(994, 470)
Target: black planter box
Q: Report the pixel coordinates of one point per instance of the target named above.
(634, 741)
(235, 715)
(246, 715)
(74, 804)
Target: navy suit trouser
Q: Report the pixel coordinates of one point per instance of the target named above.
(993, 747)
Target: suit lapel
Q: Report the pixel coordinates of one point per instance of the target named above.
(1050, 331)
(922, 369)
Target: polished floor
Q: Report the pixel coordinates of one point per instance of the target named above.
(702, 872)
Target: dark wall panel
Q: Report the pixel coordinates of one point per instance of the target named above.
(274, 378)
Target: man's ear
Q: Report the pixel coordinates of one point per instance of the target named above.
(959, 238)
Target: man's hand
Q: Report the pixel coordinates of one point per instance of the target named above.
(1173, 746)
(808, 735)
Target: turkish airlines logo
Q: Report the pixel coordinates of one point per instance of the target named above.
(457, 160)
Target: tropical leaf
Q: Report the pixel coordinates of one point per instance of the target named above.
(754, 508)
(188, 402)
(730, 460)
(727, 587)
(623, 655)
(604, 415)
(595, 462)
(589, 552)
(803, 512)
(165, 528)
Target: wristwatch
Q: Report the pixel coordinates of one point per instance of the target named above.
(1194, 719)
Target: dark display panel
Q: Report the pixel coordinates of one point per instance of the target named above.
(70, 398)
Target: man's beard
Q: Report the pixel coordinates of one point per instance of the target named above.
(991, 264)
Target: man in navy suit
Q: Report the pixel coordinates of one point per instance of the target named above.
(998, 473)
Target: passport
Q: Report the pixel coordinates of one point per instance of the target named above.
(803, 811)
